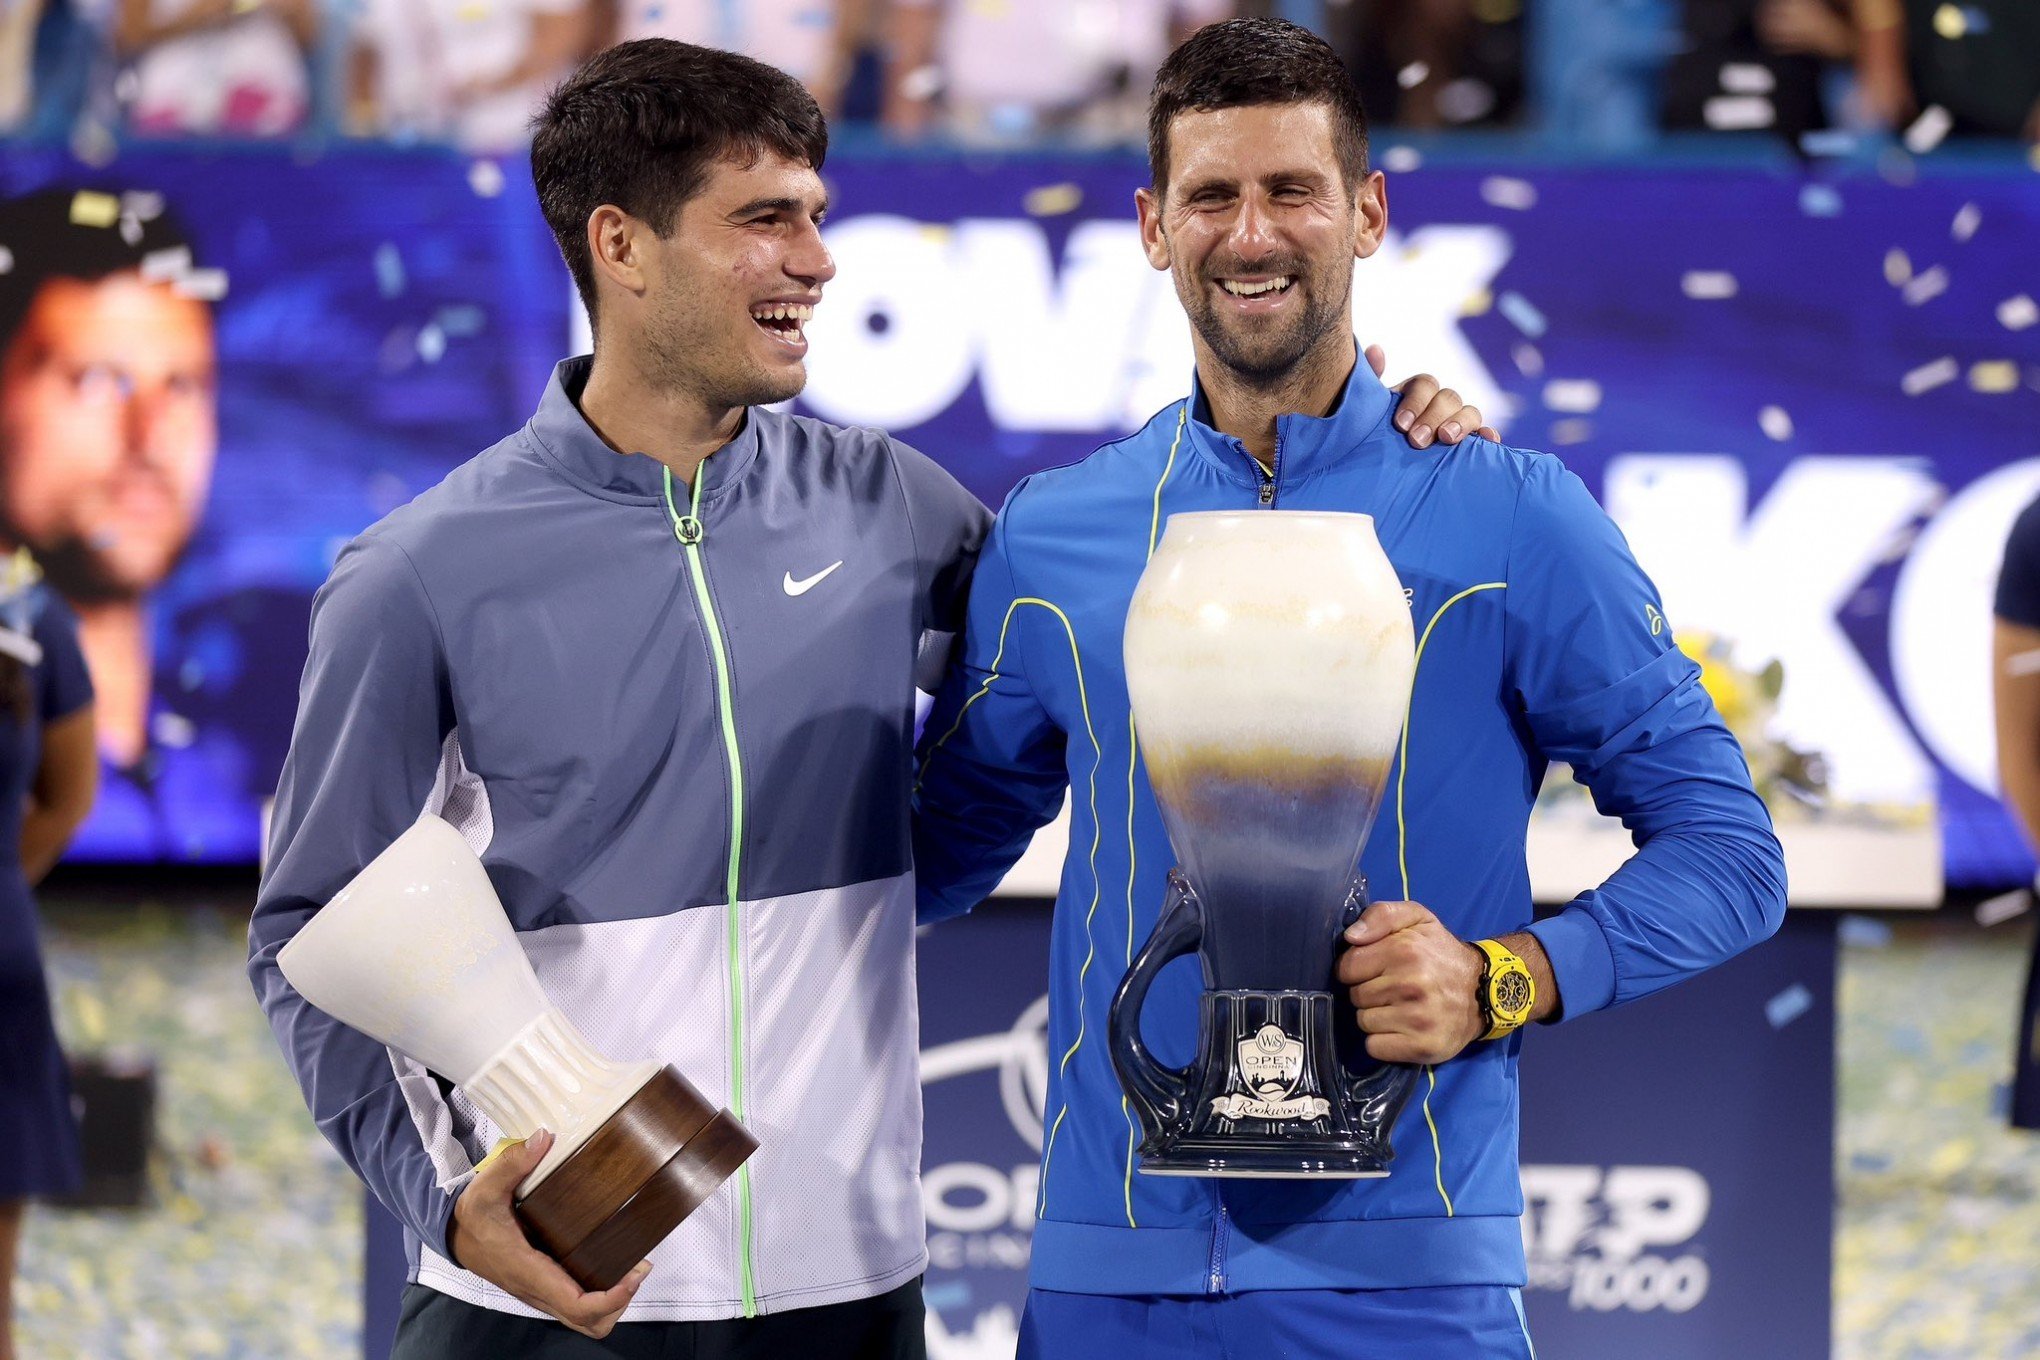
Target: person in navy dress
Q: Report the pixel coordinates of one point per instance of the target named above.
(48, 773)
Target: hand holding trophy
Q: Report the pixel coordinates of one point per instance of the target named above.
(418, 954)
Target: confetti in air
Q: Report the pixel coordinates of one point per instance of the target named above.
(1577, 396)
(1529, 359)
(1898, 270)
(1400, 160)
(1708, 285)
(1413, 75)
(485, 178)
(1503, 192)
(1928, 130)
(2017, 313)
(1966, 222)
(1995, 911)
(1522, 314)
(1776, 423)
(1054, 200)
(1782, 1009)
(1927, 377)
(1994, 377)
(90, 209)
(1820, 200)
(1925, 287)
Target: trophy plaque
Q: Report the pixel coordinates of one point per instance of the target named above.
(1269, 658)
(418, 954)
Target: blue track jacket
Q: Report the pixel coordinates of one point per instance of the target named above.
(1539, 640)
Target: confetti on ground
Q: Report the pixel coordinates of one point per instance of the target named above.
(1820, 200)
(1708, 285)
(1782, 1009)
(1928, 130)
(2017, 313)
(1054, 200)
(1575, 395)
(485, 178)
(1504, 192)
(1775, 423)
(1863, 932)
(89, 209)
(1925, 287)
(1572, 430)
(1994, 376)
(1997, 910)
(1522, 314)
(1929, 376)
(1400, 160)
(1967, 219)
(1898, 270)
(1529, 359)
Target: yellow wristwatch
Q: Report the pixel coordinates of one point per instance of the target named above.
(1507, 991)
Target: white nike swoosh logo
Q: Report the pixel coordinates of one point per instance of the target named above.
(804, 585)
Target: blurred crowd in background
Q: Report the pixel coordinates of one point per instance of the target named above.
(1597, 74)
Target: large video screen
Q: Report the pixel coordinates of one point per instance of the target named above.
(1810, 397)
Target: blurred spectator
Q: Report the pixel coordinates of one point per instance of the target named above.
(1758, 65)
(810, 40)
(2015, 691)
(1005, 70)
(468, 71)
(18, 22)
(1432, 63)
(235, 68)
(1980, 61)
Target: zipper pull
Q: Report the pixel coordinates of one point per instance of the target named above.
(688, 530)
(1267, 490)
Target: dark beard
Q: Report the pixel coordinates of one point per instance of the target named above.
(1266, 359)
(78, 574)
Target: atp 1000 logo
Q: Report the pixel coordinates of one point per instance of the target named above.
(1619, 1237)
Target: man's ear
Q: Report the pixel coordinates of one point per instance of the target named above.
(1153, 239)
(616, 246)
(1370, 217)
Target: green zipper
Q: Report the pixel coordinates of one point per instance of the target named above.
(687, 528)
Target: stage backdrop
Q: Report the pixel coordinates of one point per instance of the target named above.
(1811, 399)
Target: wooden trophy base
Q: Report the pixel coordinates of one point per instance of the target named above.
(648, 1166)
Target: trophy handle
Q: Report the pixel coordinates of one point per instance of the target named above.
(1377, 1095)
(1158, 1093)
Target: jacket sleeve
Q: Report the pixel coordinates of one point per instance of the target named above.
(373, 710)
(948, 525)
(1601, 686)
(991, 758)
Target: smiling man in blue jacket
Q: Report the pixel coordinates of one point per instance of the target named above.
(1540, 640)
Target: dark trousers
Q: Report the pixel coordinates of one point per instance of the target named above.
(436, 1326)
(2026, 1055)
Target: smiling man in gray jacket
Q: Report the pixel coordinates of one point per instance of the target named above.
(655, 655)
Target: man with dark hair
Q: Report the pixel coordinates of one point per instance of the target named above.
(1541, 640)
(108, 430)
(655, 655)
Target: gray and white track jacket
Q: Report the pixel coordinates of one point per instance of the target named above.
(678, 730)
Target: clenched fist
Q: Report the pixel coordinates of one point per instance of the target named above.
(1414, 983)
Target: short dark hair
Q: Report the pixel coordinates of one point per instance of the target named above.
(81, 234)
(640, 125)
(1244, 62)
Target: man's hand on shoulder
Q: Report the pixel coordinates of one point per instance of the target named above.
(488, 1240)
(1414, 984)
(1428, 411)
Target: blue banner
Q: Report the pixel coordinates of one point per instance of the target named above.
(1810, 402)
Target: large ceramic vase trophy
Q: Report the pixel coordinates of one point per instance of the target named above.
(417, 953)
(1269, 658)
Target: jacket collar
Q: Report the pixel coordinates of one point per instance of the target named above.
(1304, 445)
(567, 441)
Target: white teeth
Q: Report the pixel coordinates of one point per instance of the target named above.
(1238, 289)
(784, 311)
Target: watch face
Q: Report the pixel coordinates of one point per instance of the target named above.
(1512, 993)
